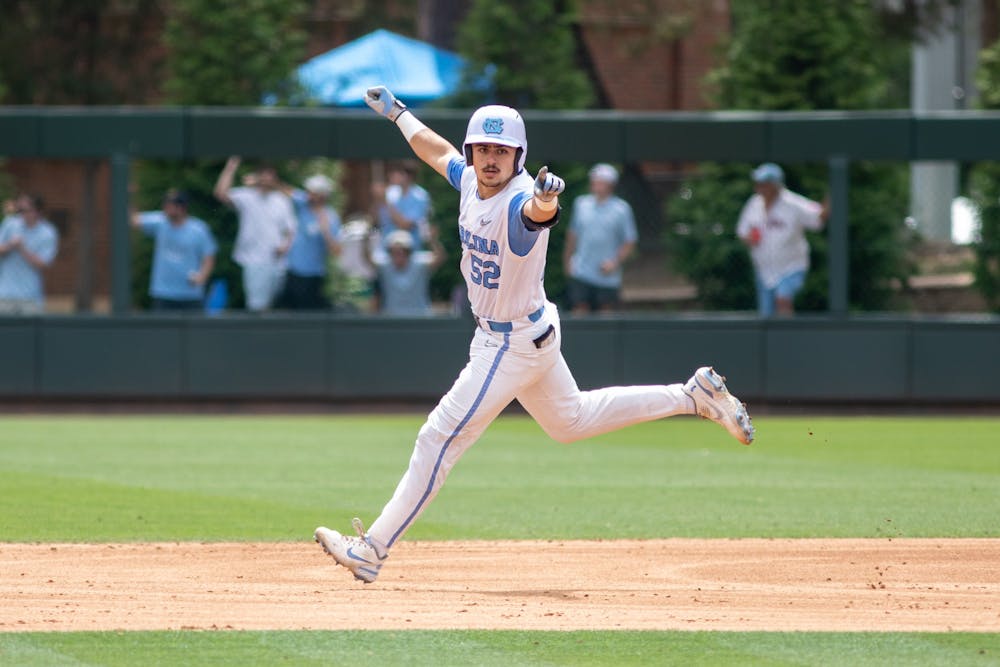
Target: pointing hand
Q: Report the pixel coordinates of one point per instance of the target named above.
(548, 186)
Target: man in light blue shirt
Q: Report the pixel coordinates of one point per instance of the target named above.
(404, 275)
(403, 205)
(183, 254)
(316, 239)
(28, 244)
(601, 236)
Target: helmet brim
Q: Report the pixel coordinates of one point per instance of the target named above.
(491, 139)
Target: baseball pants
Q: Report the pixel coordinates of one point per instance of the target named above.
(502, 367)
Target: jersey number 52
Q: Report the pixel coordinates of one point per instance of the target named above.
(485, 273)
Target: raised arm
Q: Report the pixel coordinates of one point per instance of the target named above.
(427, 144)
(225, 181)
(440, 254)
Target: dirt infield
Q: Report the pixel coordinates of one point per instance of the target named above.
(747, 584)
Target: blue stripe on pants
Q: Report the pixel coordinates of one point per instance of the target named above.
(451, 438)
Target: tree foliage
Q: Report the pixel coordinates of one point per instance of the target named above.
(232, 53)
(786, 55)
(796, 56)
(984, 187)
(531, 49)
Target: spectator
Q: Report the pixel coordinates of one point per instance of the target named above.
(183, 254)
(359, 243)
(773, 223)
(316, 239)
(28, 244)
(266, 231)
(601, 236)
(403, 204)
(404, 276)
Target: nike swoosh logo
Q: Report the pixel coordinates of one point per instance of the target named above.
(483, 223)
(350, 552)
(715, 413)
(709, 391)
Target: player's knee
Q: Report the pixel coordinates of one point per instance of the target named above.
(566, 428)
(429, 435)
(561, 433)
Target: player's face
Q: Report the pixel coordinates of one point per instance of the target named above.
(494, 164)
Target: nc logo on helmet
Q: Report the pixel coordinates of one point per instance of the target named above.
(493, 126)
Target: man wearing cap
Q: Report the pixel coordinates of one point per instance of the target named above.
(316, 239)
(404, 275)
(601, 236)
(183, 254)
(773, 223)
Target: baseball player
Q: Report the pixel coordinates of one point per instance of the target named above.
(504, 221)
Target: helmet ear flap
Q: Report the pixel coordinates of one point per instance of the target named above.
(468, 154)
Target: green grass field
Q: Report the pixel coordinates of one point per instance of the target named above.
(94, 479)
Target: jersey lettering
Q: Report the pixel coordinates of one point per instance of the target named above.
(478, 243)
(503, 274)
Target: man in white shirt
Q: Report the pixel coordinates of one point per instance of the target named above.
(773, 223)
(267, 228)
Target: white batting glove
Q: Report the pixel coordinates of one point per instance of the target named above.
(384, 102)
(548, 186)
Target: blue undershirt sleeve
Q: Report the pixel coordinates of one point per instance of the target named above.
(520, 238)
(456, 167)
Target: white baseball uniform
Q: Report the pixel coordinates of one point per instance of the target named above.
(515, 353)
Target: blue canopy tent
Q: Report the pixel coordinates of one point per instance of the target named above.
(414, 71)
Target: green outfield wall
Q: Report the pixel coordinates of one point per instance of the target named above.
(614, 136)
(806, 359)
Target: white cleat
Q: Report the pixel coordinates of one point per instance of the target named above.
(357, 554)
(713, 401)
